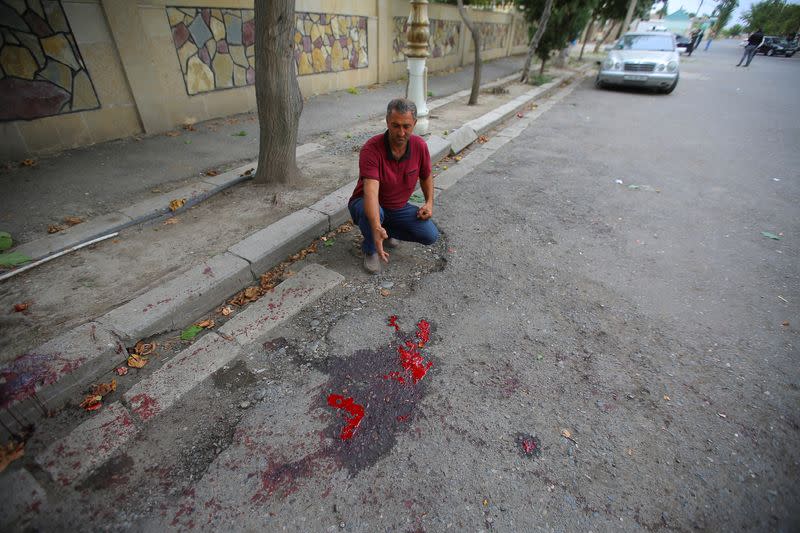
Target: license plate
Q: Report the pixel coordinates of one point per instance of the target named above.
(636, 78)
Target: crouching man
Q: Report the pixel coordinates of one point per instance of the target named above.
(389, 167)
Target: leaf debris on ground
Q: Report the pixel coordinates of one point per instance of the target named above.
(10, 452)
(770, 235)
(94, 400)
(174, 205)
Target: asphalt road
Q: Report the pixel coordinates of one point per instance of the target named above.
(644, 323)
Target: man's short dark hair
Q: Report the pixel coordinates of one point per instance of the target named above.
(402, 106)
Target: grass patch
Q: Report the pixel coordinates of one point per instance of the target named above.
(540, 79)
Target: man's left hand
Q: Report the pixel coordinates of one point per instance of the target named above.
(425, 212)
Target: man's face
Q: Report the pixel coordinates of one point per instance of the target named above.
(401, 126)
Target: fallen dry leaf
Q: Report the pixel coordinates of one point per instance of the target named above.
(251, 292)
(55, 228)
(630, 451)
(170, 221)
(207, 323)
(385, 292)
(102, 389)
(172, 133)
(520, 115)
(785, 323)
(666, 397)
(567, 434)
(144, 348)
(121, 371)
(174, 205)
(344, 228)
(136, 361)
(92, 402)
(458, 158)
(28, 162)
(247, 172)
(212, 173)
(72, 221)
(10, 453)
(482, 139)
(19, 308)
(226, 310)
(188, 127)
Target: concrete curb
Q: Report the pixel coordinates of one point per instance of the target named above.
(193, 292)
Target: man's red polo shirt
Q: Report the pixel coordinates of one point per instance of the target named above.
(397, 177)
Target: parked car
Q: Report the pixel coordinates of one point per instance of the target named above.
(682, 43)
(776, 46)
(642, 59)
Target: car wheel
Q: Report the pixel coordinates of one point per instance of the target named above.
(770, 52)
(599, 84)
(671, 88)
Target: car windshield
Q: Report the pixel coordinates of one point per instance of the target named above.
(660, 43)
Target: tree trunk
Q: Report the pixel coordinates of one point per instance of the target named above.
(629, 17)
(586, 37)
(534, 44)
(561, 57)
(603, 40)
(277, 91)
(476, 41)
(541, 69)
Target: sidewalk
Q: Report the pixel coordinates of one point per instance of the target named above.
(160, 275)
(93, 181)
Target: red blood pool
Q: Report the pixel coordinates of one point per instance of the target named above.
(423, 332)
(393, 322)
(528, 446)
(412, 361)
(338, 401)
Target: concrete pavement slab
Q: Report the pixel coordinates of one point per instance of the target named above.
(160, 205)
(180, 300)
(77, 234)
(267, 247)
(335, 205)
(437, 147)
(57, 369)
(485, 122)
(284, 301)
(461, 138)
(157, 393)
(233, 176)
(88, 445)
(21, 495)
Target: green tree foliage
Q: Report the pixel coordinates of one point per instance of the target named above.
(775, 17)
(723, 12)
(567, 20)
(736, 29)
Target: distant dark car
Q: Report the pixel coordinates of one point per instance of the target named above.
(682, 43)
(776, 46)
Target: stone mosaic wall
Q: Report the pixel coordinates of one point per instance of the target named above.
(216, 46)
(443, 40)
(42, 72)
(520, 33)
(329, 43)
(493, 35)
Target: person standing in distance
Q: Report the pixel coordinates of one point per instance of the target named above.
(389, 167)
(755, 40)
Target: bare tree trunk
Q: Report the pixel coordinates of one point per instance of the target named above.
(541, 69)
(277, 91)
(561, 57)
(476, 41)
(629, 17)
(586, 37)
(603, 40)
(534, 44)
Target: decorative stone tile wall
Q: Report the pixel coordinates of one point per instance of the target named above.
(42, 72)
(216, 46)
(443, 41)
(520, 32)
(329, 43)
(493, 35)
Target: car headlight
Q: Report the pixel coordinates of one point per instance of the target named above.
(608, 63)
(672, 66)
(660, 67)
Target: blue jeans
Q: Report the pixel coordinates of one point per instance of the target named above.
(401, 224)
(749, 52)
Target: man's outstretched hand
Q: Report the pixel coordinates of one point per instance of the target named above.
(425, 212)
(379, 236)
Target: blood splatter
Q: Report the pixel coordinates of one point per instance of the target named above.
(393, 322)
(423, 332)
(340, 402)
(412, 361)
(529, 445)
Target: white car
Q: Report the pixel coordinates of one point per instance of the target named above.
(642, 59)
